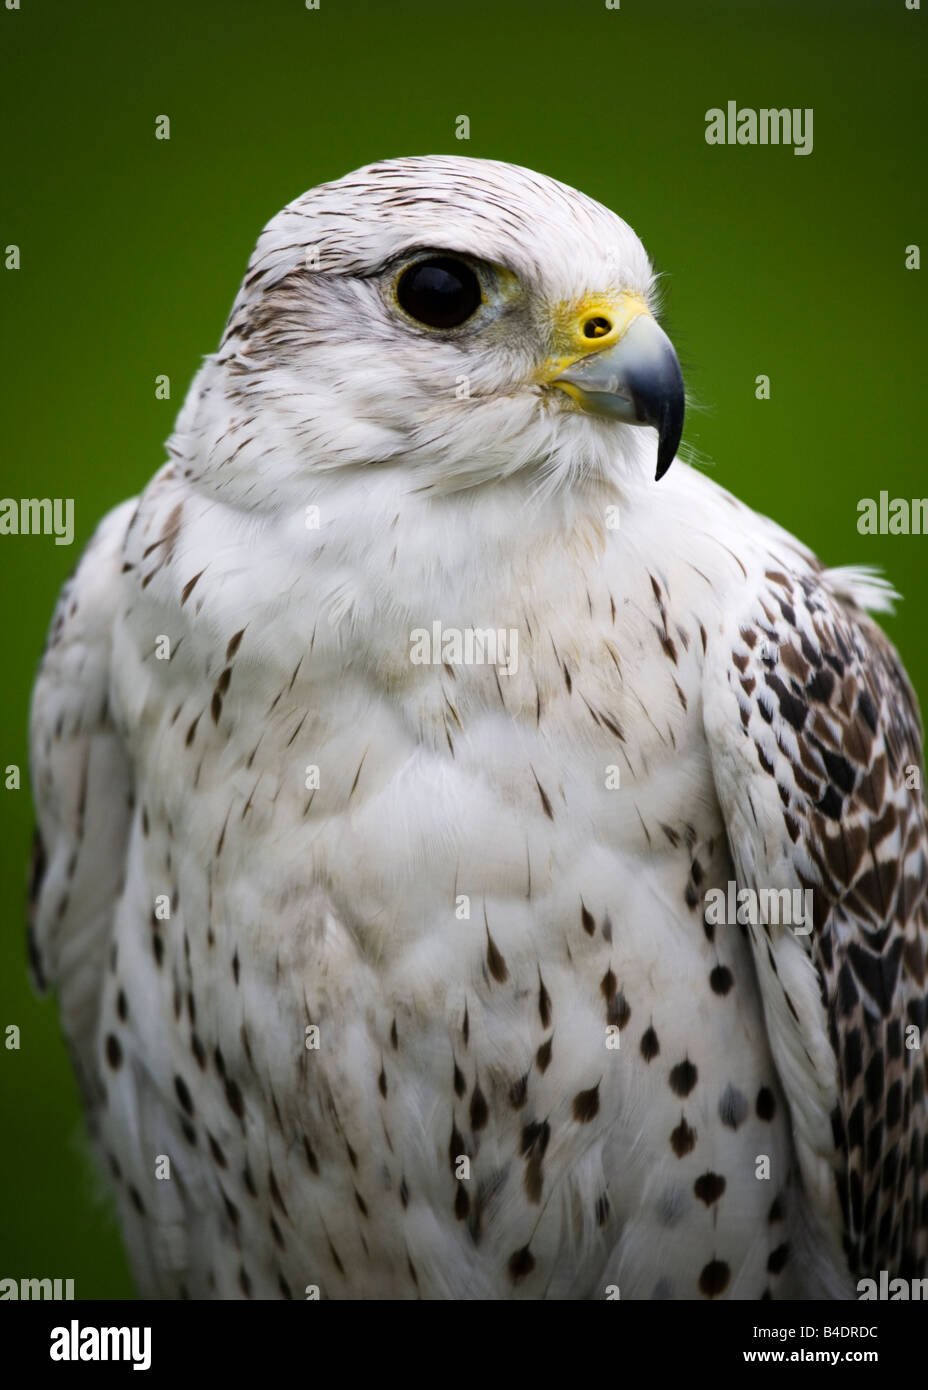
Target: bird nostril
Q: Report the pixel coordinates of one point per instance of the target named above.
(596, 328)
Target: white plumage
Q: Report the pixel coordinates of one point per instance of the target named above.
(467, 911)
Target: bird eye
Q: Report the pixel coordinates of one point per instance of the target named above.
(441, 292)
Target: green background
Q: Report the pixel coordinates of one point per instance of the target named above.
(132, 250)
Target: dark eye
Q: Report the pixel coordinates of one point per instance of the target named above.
(440, 292)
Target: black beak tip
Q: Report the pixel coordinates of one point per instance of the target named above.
(669, 431)
(666, 453)
(660, 400)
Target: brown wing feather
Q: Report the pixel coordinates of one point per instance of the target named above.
(832, 722)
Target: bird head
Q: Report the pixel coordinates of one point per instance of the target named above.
(462, 319)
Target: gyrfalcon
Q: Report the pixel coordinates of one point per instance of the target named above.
(475, 858)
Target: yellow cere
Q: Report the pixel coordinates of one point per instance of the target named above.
(588, 325)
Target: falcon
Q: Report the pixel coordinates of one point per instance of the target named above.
(391, 978)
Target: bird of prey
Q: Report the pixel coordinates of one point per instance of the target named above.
(391, 968)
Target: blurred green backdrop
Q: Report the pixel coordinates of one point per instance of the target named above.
(132, 250)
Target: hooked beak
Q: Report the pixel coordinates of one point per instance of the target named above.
(636, 379)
